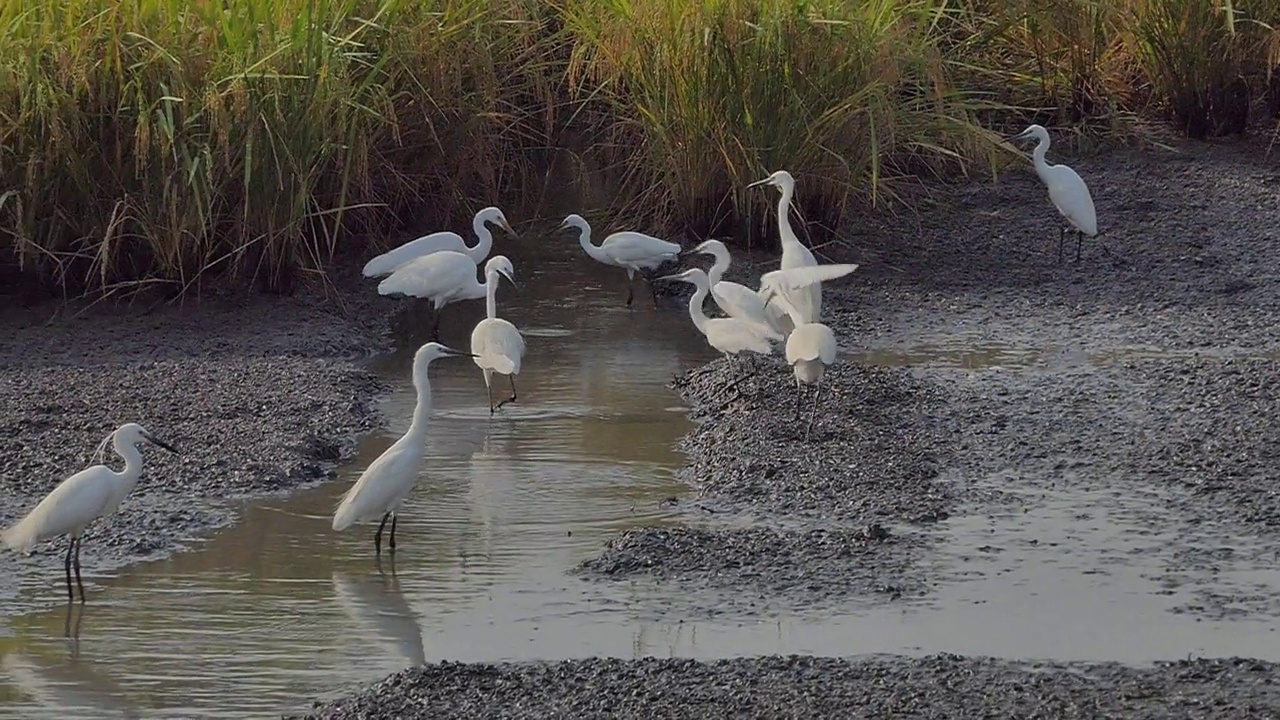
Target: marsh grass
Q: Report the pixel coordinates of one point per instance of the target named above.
(169, 144)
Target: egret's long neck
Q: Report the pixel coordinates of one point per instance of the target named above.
(484, 240)
(785, 233)
(1037, 157)
(422, 410)
(719, 268)
(491, 294)
(132, 464)
(696, 312)
(584, 239)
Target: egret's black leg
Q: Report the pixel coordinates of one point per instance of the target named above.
(630, 293)
(489, 389)
(71, 593)
(512, 378)
(1079, 241)
(393, 534)
(1062, 232)
(799, 399)
(653, 289)
(79, 582)
(813, 409)
(377, 537)
(435, 326)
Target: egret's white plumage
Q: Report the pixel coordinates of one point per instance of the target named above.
(794, 255)
(728, 335)
(389, 479)
(496, 344)
(734, 299)
(631, 251)
(1067, 190)
(443, 277)
(387, 262)
(94, 492)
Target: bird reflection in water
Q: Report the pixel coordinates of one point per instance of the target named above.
(377, 605)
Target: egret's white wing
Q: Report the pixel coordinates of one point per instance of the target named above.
(386, 481)
(76, 502)
(1071, 196)
(630, 247)
(811, 341)
(739, 301)
(801, 277)
(429, 276)
(388, 261)
(733, 336)
(497, 345)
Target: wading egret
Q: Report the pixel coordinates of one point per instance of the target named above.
(389, 479)
(387, 262)
(496, 344)
(811, 346)
(632, 251)
(443, 277)
(92, 493)
(1066, 189)
(794, 254)
(728, 335)
(735, 300)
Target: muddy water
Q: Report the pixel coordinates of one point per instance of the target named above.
(279, 610)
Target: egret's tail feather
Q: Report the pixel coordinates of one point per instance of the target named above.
(345, 516)
(381, 265)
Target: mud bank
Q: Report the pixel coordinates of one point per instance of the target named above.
(940, 686)
(260, 396)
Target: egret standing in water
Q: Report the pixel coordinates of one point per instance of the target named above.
(387, 481)
(631, 251)
(811, 346)
(443, 277)
(1066, 189)
(387, 262)
(728, 335)
(808, 301)
(92, 493)
(496, 344)
(735, 300)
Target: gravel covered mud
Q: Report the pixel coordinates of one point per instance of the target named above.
(941, 687)
(259, 396)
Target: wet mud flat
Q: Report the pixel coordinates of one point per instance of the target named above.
(260, 396)
(1134, 433)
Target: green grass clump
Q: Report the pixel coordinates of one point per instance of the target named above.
(163, 144)
(157, 140)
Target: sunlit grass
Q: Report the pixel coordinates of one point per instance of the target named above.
(172, 143)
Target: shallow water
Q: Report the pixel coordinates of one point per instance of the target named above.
(280, 610)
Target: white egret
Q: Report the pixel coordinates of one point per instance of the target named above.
(728, 335)
(794, 254)
(387, 262)
(811, 346)
(632, 251)
(1066, 189)
(735, 300)
(442, 277)
(496, 344)
(384, 485)
(92, 493)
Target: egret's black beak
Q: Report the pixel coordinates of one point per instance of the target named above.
(507, 227)
(511, 280)
(758, 183)
(160, 443)
(459, 353)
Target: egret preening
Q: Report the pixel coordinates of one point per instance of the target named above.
(794, 254)
(728, 335)
(389, 479)
(735, 300)
(443, 277)
(811, 346)
(632, 251)
(387, 262)
(1066, 189)
(496, 344)
(92, 493)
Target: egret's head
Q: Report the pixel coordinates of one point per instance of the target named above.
(573, 221)
(495, 216)
(697, 276)
(780, 179)
(711, 247)
(133, 433)
(1034, 131)
(434, 350)
(500, 265)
